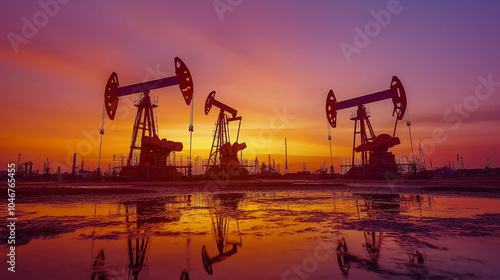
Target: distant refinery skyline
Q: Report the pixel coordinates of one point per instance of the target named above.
(272, 61)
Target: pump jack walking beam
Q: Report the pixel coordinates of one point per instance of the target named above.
(396, 92)
(114, 91)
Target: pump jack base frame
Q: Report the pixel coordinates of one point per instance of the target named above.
(150, 173)
(220, 173)
(382, 165)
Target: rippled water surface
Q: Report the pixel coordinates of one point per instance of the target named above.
(260, 235)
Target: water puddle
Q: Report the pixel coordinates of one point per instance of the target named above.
(261, 235)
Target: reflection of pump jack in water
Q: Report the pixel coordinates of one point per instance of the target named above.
(374, 204)
(98, 267)
(372, 244)
(343, 257)
(147, 214)
(187, 269)
(140, 216)
(185, 272)
(417, 255)
(220, 228)
(137, 255)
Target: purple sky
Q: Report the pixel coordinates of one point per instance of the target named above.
(260, 57)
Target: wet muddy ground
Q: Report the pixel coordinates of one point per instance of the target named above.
(287, 229)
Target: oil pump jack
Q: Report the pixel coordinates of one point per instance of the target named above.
(376, 161)
(147, 156)
(223, 160)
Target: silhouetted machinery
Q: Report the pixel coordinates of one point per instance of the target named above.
(148, 153)
(376, 161)
(223, 160)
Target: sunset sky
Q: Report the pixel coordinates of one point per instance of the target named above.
(264, 58)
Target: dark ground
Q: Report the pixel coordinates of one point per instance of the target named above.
(457, 186)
